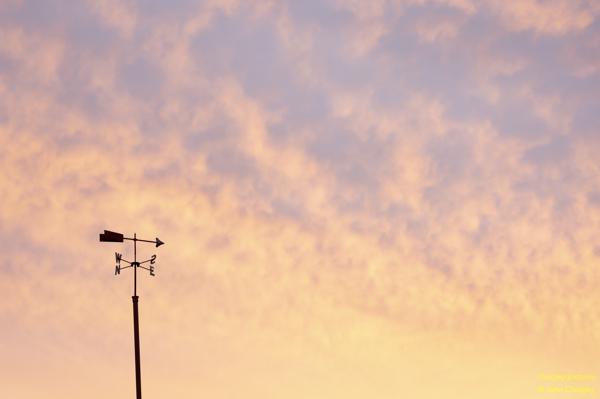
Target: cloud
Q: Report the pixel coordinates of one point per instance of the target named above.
(551, 18)
(355, 197)
(118, 14)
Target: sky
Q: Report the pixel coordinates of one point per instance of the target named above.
(359, 199)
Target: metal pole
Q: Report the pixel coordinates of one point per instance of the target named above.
(134, 265)
(136, 325)
(136, 339)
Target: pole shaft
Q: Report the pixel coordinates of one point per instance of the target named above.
(134, 265)
(136, 341)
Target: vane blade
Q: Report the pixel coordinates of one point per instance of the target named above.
(111, 236)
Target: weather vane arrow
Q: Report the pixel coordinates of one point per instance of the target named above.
(111, 236)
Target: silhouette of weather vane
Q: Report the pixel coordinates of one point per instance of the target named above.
(111, 236)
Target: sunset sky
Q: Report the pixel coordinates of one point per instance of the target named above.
(360, 199)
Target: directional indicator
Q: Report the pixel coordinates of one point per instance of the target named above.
(111, 236)
(158, 242)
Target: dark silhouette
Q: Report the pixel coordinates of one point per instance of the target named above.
(111, 236)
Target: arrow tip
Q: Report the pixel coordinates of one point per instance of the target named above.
(158, 242)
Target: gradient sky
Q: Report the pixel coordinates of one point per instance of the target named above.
(359, 198)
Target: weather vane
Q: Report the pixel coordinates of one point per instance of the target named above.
(111, 236)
